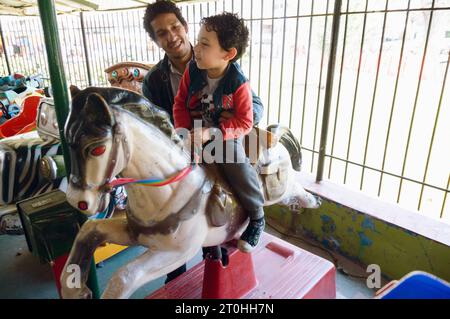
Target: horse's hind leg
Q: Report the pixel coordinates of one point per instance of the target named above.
(92, 234)
(298, 197)
(149, 266)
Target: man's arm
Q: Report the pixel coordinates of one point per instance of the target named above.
(181, 115)
(146, 88)
(258, 109)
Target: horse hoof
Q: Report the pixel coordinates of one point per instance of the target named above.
(245, 247)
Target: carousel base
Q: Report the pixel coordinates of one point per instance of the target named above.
(276, 269)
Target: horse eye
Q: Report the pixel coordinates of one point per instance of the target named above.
(99, 150)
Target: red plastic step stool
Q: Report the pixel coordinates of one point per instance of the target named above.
(276, 269)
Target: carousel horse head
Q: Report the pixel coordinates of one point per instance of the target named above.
(97, 143)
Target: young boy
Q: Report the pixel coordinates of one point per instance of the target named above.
(214, 83)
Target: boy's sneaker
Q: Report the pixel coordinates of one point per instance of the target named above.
(250, 238)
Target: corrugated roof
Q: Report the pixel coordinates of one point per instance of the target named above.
(30, 7)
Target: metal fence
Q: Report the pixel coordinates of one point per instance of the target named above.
(390, 111)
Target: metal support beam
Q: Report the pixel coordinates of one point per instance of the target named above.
(56, 69)
(86, 54)
(4, 49)
(329, 88)
(61, 96)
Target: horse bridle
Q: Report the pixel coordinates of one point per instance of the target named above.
(117, 137)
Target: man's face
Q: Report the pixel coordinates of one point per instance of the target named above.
(208, 52)
(171, 35)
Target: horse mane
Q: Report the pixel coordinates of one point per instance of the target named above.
(129, 101)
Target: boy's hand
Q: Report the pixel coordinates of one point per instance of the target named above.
(196, 114)
(225, 115)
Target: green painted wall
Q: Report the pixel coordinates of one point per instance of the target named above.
(365, 239)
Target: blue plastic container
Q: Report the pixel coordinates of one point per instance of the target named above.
(419, 285)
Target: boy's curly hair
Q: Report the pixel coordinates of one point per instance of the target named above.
(157, 8)
(231, 32)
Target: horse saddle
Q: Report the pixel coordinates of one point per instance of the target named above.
(259, 147)
(257, 141)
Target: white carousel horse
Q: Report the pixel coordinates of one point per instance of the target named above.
(106, 138)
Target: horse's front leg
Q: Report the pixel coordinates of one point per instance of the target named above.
(149, 266)
(92, 234)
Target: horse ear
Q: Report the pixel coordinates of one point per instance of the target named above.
(97, 111)
(74, 90)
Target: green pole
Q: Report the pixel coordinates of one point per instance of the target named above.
(61, 97)
(329, 88)
(56, 68)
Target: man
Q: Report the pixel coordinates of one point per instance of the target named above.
(168, 29)
(166, 26)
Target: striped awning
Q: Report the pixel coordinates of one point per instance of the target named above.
(30, 7)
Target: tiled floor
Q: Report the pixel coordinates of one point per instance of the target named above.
(22, 276)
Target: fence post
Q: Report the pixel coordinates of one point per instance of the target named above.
(61, 96)
(4, 49)
(329, 88)
(86, 55)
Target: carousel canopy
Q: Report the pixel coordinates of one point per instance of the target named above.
(30, 7)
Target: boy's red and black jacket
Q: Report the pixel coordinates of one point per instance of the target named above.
(232, 94)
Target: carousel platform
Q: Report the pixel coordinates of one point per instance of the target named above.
(281, 271)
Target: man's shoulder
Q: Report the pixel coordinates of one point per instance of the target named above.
(158, 70)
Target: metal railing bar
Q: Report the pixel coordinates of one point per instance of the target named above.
(295, 64)
(8, 66)
(135, 32)
(119, 52)
(307, 72)
(282, 64)
(436, 119)
(91, 40)
(378, 170)
(270, 64)
(260, 48)
(125, 36)
(419, 82)
(23, 62)
(445, 198)
(380, 53)
(69, 69)
(78, 45)
(356, 90)
(18, 61)
(399, 10)
(292, 17)
(69, 35)
(251, 37)
(399, 67)
(338, 98)
(34, 57)
(85, 49)
(195, 23)
(328, 89)
(320, 83)
(99, 44)
(31, 55)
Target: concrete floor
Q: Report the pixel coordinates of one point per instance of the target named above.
(23, 277)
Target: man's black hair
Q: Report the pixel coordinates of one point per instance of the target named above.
(231, 31)
(157, 8)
